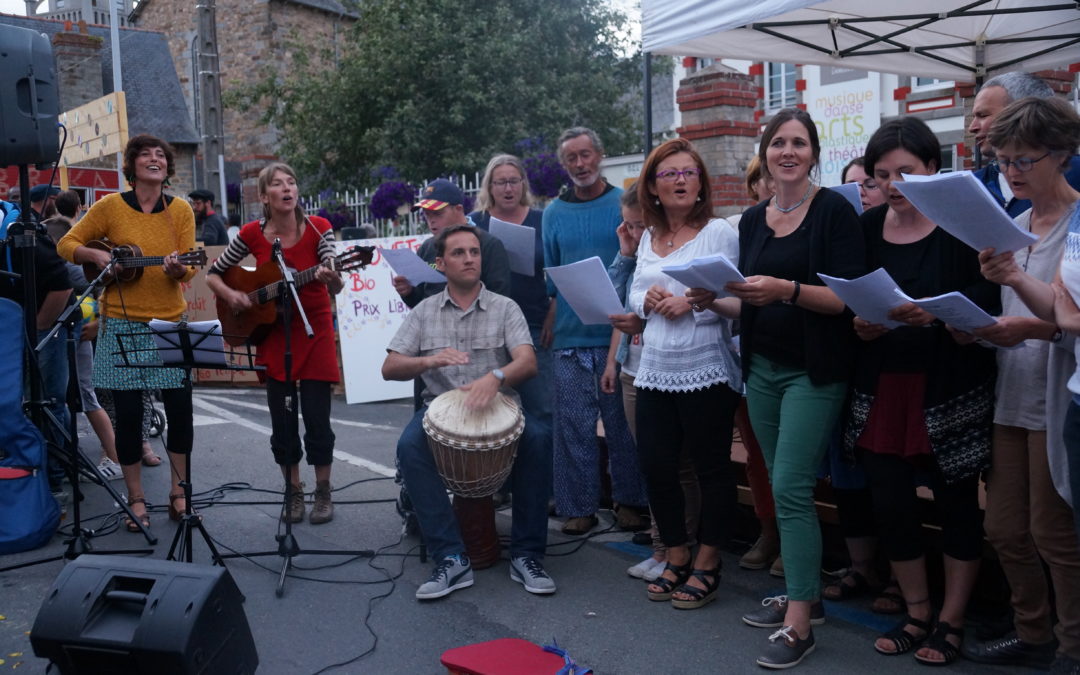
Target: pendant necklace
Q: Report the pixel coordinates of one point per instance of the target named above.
(794, 206)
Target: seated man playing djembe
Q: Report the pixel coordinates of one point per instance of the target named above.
(470, 339)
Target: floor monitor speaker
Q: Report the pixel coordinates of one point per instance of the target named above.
(113, 614)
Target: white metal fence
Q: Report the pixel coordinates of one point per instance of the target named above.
(357, 205)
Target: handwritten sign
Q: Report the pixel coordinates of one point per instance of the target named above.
(369, 313)
(95, 129)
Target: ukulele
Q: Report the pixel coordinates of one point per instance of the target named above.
(264, 284)
(132, 261)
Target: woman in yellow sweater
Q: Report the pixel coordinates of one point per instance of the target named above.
(160, 225)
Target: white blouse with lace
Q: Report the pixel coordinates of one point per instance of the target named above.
(694, 351)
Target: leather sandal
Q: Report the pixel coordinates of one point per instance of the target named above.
(840, 591)
(938, 641)
(174, 513)
(681, 572)
(133, 526)
(699, 597)
(904, 641)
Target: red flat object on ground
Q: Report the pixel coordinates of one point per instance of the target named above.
(507, 656)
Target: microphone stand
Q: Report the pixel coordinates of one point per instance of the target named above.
(288, 548)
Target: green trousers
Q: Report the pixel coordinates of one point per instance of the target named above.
(793, 420)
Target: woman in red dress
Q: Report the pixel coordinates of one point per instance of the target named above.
(306, 241)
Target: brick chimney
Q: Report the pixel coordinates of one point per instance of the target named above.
(718, 116)
(78, 65)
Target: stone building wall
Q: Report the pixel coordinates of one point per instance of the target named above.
(255, 38)
(78, 66)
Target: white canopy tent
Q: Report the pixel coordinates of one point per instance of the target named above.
(948, 39)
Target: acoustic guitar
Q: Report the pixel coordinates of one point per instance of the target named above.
(132, 261)
(264, 284)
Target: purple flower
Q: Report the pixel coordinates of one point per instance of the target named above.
(389, 197)
(547, 177)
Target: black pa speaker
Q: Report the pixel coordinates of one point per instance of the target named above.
(29, 102)
(113, 615)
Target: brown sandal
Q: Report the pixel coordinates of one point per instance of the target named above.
(133, 526)
(175, 513)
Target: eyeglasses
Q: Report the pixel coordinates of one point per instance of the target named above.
(869, 184)
(512, 182)
(671, 175)
(1022, 164)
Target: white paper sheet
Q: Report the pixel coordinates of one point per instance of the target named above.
(411, 266)
(587, 288)
(207, 345)
(520, 243)
(961, 206)
(870, 296)
(850, 191)
(954, 309)
(710, 272)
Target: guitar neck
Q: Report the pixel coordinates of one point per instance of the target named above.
(272, 291)
(131, 262)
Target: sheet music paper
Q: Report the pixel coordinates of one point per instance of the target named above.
(710, 272)
(207, 344)
(959, 204)
(870, 296)
(850, 192)
(406, 263)
(954, 309)
(520, 243)
(587, 288)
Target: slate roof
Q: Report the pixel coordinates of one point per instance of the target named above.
(155, 101)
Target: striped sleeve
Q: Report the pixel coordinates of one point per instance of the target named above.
(236, 251)
(327, 250)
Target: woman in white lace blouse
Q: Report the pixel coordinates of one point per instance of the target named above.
(688, 381)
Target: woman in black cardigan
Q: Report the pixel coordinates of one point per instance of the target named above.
(796, 349)
(922, 399)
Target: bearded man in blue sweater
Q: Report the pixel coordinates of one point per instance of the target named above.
(580, 224)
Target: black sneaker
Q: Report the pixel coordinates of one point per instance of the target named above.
(786, 649)
(1010, 650)
(773, 610)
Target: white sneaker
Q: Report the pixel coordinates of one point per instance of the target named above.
(109, 469)
(648, 569)
(452, 572)
(528, 572)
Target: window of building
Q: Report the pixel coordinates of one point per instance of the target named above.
(779, 85)
(919, 83)
(948, 158)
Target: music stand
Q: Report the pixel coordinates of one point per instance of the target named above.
(288, 548)
(186, 345)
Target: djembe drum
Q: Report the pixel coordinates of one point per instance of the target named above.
(474, 452)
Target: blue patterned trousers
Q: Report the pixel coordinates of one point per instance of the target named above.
(578, 404)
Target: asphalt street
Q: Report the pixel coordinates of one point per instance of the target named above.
(337, 608)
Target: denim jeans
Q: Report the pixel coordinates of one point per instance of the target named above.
(53, 365)
(536, 392)
(528, 480)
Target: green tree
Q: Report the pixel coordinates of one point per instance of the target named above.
(435, 87)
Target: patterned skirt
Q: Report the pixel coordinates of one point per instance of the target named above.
(122, 342)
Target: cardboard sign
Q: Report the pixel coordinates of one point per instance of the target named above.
(369, 313)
